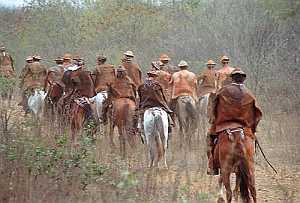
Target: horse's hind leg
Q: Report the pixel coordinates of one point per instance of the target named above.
(236, 191)
(220, 187)
(122, 145)
(226, 182)
(252, 186)
(110, 129)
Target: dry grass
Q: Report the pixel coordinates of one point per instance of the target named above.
(130, 180)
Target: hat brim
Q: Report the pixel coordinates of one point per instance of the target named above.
(239, 73)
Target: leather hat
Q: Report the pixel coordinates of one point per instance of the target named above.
(101, 58)
(37, 57)
(210, 62)
(29, 58)
(152, 73)
(238, 71)
(183, 64)
(129, 53)
(224, 58)
(164, 57)
(59, 59)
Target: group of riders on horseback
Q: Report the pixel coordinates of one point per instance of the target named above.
(231, 107)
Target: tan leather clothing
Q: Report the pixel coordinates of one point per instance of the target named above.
(224, 76)
(151, 95)
(184, 83)
(133, 71)
(208, 83)
(164, 79)
(235, 106)
(83, 83)
(167, 67)
(123, 88)
(105, 74)
(6, 66)
(34, 75)
(55, 74)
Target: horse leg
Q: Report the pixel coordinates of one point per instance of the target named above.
(181, 136)
(226, 182)
(252, 183)
(165, 142)
(151, 147)
(110, 127)
(236, 191)
(220, 188)
(122, 143)
(77, 124)
(253, 190)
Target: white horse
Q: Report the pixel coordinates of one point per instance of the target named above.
(36, 103)
(97, 104)
(156, 134)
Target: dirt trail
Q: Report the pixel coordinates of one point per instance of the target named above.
(186, 179)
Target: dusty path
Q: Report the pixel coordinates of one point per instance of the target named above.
(186, 179)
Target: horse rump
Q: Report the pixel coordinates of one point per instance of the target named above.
(155, 133)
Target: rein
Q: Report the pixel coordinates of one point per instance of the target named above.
(262, 152)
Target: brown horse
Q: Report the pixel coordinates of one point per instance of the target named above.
(54, 93)
(122, 117)
(80, 107)
(234, 153)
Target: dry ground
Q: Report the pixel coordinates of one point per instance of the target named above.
(186, 179)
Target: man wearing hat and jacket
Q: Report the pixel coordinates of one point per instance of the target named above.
(224, 73)
(34, 74)
(234, 108)
(7, 69)
(207, 79)
(133, 69)
(32, 77)
(105, 74)
(164, 64)
(121, 87)
(55, 73)
(67, 61)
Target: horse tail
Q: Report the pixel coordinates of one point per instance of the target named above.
(157, 132)
(244, 173)
(191, 109)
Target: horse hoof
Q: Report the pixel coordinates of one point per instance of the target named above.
(221, 200)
